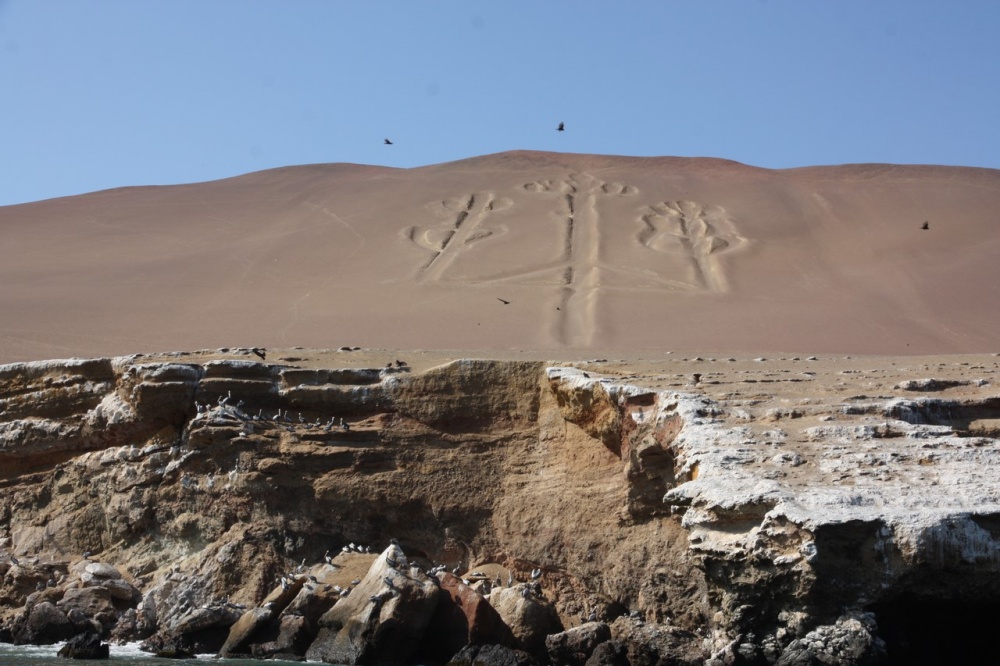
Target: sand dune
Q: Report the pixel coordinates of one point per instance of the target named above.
(590, 253)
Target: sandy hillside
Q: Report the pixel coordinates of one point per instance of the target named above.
(559, 254)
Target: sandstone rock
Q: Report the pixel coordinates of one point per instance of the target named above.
(575, 646)
(121, 590)
(531, 618)
(89, 600)
(85, 646)
(242, 632)
(383, 619)
(462, 617)
(294, 634)
(492, 655)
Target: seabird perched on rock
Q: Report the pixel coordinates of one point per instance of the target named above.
(525, 592)
(260, 351)
(695, 378)
(87, 554)
(327, 558)
(301, 567)
(388, 581)
(356, 581)
(536, 574)
(14, 560)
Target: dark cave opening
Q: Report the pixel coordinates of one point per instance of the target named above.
(925, 630)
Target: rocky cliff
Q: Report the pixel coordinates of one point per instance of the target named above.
(163, 499)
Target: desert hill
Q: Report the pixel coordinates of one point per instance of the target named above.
(519, 250)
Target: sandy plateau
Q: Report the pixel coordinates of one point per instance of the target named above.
(522, 408)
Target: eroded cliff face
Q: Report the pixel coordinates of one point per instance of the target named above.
(744, 538)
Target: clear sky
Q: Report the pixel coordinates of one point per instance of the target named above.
(109, 93)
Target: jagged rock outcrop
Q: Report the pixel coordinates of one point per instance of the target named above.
(85, 646)
(383, 619)
(575, 646)
(727, 529)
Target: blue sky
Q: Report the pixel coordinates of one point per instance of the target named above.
(109, 93)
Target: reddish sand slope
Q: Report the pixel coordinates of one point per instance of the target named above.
(586, 252)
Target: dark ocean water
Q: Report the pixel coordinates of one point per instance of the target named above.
(121, 655)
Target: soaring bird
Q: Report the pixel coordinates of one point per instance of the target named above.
(926, 225)
(503, 301)
(388, 143)
(562, 127)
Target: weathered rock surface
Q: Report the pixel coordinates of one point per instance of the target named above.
(575, 646)
(383, 619)
(530, 616)
(85, 646)
(462, 617)
(492, 655)
(836, 524)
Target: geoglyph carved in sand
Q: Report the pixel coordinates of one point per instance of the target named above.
(676, 248)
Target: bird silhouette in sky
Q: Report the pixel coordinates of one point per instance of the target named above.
(387, 142)
(562, 127)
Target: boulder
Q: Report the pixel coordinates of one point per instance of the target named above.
(850, 641)
(530, 617)
(383, 619)
(573, 647)
(492, 655)
(88, 600)
(463, 617)
(120, 589)
(85, 646)
(45, 624)
(242, 632)
(101, 570)
(611, 653)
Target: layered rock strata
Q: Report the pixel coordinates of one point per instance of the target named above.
(208, 498)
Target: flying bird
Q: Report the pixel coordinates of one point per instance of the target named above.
(926, 225)
(562, 127)
(503, 301)
(387, 142)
